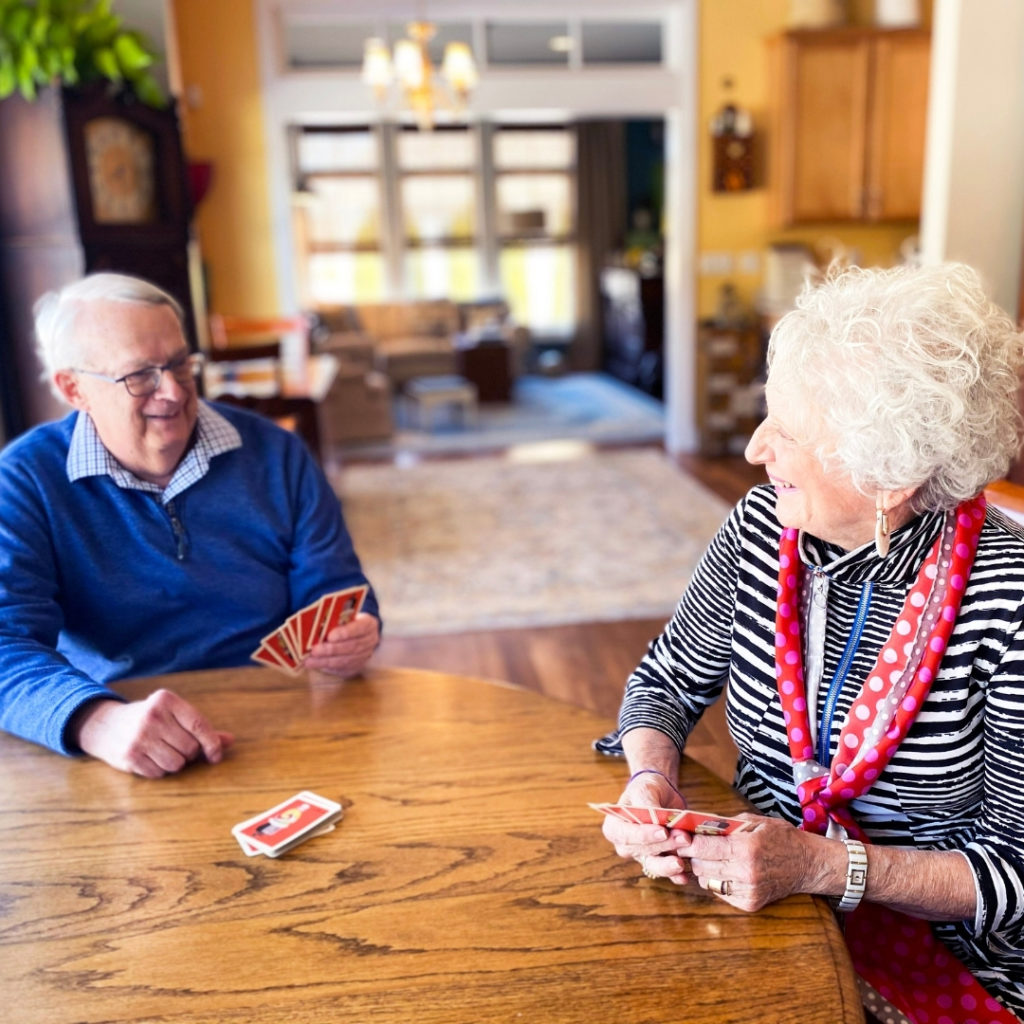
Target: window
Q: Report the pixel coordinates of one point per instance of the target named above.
(382, 211)
(534, 199)
(621, 42)
(333, 40)
(527, 43)
(438, 186)
(339, 216)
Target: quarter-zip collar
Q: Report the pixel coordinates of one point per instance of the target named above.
(907, 551)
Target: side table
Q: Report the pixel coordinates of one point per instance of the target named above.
(486, 362)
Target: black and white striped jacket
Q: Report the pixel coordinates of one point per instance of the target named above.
(957, 780)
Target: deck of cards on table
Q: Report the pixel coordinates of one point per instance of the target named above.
(698, 822)
(283, 827)
(288, 645)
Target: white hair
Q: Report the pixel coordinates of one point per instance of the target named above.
(915, 373)
(58, 345)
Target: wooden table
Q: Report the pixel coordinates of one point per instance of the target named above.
(468, 881)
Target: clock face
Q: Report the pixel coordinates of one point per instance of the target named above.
(122, 172)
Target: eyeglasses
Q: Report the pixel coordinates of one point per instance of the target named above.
(140, 383)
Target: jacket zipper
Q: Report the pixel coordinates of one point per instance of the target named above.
(829, 706)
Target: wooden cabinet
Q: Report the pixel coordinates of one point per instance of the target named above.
(850, 108)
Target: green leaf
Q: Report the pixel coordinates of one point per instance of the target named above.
(40, 27)
(8, 83)
(50, 62)
(147, 89)
(106, 64)
(27, 86)
(130, 54)
(28, 60)
(101, 31)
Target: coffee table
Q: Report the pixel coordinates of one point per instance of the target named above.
(428, 394)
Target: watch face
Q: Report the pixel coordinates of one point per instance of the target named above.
(122, 172)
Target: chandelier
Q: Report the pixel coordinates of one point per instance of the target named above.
(411, 69)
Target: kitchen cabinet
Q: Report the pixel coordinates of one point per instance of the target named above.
(849, 115)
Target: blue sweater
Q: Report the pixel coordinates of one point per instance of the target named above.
(95, 586)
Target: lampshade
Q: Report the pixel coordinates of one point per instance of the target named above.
(411, 66)
(376, 64)
(459, 68)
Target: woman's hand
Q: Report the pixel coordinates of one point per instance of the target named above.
(652, 846)
(752, 869)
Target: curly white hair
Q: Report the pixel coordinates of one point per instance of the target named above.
(915, 373)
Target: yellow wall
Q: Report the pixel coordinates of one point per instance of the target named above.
(732, 45)
(222, 114)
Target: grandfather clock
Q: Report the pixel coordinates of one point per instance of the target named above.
(91, 180)
(131, 194)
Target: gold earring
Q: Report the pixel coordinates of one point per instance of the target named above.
(881, 531)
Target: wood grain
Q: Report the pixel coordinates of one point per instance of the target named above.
(467, 882)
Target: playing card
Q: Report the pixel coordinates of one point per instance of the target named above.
(625, 813)
(288, 645)
(339, 607)
(697, 822)
(300, 627)
(251, 850)
(266, 656)
(283, 827)
(278, 644)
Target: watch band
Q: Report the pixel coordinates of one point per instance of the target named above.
(856, 875)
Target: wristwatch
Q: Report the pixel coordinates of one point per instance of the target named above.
(856, 876)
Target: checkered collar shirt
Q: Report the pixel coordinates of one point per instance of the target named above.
(87, 455)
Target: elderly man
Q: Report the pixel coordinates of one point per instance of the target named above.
(149, 532)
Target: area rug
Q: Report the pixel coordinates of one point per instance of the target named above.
(455, 545)
(593, 407)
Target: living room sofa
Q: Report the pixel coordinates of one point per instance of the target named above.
(420, 338)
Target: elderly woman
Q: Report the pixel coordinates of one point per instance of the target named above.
(867, 612)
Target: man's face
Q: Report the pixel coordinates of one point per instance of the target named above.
(148, 435)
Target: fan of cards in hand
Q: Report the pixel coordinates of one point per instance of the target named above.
(283, 827)
(288, 645)
(700, 823)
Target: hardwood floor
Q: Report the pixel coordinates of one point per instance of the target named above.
(585, 664)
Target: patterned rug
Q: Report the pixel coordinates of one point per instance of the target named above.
(457, 545)
(592, 407)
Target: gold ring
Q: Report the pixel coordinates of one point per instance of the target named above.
(646, 870)
(720, 887)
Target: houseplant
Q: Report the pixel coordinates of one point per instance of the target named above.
(71, 42)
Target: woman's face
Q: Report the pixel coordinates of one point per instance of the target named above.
(821, 501)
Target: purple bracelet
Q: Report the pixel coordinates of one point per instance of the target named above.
(654, 771)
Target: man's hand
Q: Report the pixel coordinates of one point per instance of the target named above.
(346, 649)
(152, 737)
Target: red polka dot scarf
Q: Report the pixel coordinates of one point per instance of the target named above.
(895, 954)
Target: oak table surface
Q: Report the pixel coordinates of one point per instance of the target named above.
(468, 880)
